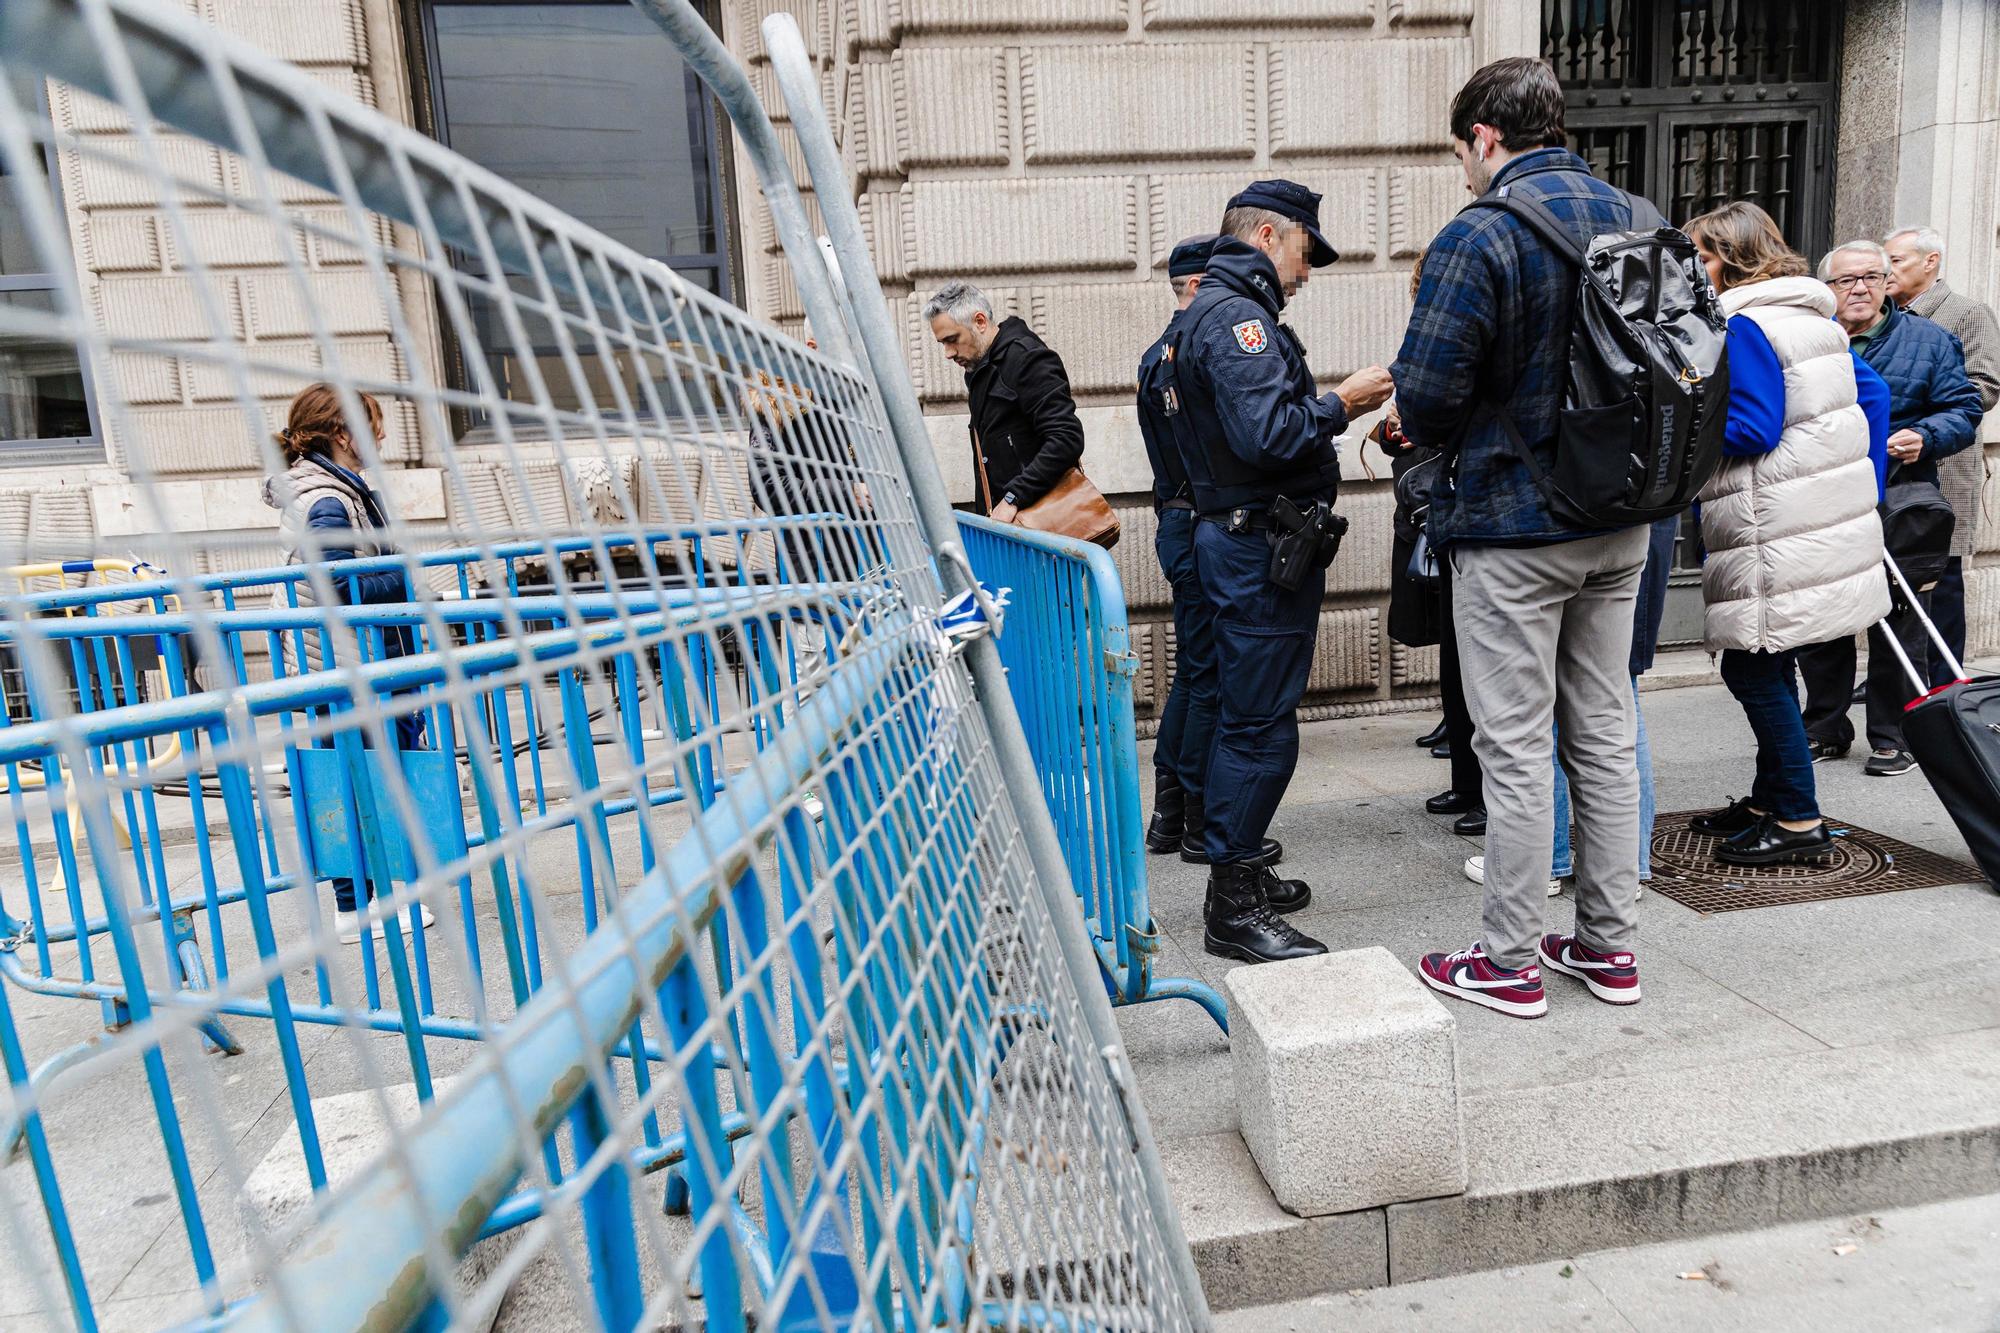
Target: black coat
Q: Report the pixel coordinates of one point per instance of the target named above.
(1023, 417)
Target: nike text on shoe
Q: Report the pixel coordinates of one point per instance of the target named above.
(1611, 977)
(1470, 975)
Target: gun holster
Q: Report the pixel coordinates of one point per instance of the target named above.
(1302, 540)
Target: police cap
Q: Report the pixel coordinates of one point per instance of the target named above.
(1191, 256)
(1292, 200)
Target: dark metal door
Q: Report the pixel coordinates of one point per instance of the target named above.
(1693, 103)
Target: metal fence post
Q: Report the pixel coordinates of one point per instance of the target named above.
(786, 46)
(710, 59)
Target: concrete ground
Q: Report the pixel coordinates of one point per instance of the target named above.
(1826, 1036)
(1929, 1267)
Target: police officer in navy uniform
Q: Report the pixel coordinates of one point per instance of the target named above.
(1259, 446)
(1187, 723)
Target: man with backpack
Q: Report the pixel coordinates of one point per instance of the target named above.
(1545, 511)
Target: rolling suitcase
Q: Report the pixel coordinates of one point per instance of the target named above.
(1954, 733)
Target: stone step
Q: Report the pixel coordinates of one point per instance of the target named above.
(1604, 1163)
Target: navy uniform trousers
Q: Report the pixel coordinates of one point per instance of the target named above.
(1264, 640)
(1187, 723)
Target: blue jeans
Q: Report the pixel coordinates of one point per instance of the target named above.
(1763, 683)
(1563, 863)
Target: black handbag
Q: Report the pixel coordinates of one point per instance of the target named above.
(1413, 498)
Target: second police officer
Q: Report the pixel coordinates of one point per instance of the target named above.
(1262, 460)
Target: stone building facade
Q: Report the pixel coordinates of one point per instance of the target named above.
(1052, 151)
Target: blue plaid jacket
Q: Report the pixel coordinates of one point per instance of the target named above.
(1491, 326)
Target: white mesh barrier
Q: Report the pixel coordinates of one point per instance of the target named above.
(697, 975)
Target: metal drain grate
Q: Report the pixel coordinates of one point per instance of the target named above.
(1863, 862)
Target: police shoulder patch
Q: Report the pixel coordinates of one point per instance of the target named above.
(1250, 335)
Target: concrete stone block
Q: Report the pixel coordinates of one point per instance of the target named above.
(1351, 320)
(1348, 655)
(114, 181)
(348, 303)
(1431, 11)
(1982, 609)
(192, 441)
(1012, 16)
(1146, 586)
(948, 106)
(79, 112)
(882, 228)
(1002, 226)
(1421, 201)
(290, 365)
(1170, 14)
(1311, 113)
(1114, 103)
(345, 247)
(1347, 1072)
(119, 243)
(1100, 330)
(1192, 204)
(1363, 563)
(1248, 1250)
(1413, 666)
(60, 522)
(305, 32)
(145, 378)
(1153, 645)
(748, 40)
(168, 309)
(223, 238)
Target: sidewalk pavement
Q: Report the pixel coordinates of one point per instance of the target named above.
(1806, 1034)
(1929, 1267)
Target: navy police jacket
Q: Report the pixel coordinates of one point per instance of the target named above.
(1250, 424)
(1157, 404)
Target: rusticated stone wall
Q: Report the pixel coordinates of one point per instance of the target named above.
(1054, 151)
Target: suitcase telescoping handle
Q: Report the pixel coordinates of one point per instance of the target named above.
(1923, 686)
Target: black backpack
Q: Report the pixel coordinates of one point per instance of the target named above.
(1647, 397)
(1917, 523)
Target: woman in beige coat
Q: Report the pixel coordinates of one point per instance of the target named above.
(1793, 542)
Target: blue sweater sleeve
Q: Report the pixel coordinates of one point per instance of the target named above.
(1873, 392)
(382, 585)
(1756, 391)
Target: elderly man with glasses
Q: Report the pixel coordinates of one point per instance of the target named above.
(1917, 284)
(1934, 412)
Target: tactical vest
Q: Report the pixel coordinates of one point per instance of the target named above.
(1221, 481)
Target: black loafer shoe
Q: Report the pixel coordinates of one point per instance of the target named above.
(1431, 737)
(1471, 824)
(1442, 750)
(1450, 803)
(1727, 822)
(1772, 844)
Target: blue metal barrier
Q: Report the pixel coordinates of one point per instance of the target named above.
(1070, 665)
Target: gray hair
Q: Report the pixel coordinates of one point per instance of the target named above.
(1243, 222)
(1926, 239)
(959, 299)
(1863, 247)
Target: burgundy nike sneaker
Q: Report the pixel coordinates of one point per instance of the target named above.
(1611, 977)
(1470, 975)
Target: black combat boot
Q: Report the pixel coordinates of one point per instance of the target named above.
(1240, 923)
(1169, 810)
(1195, 852)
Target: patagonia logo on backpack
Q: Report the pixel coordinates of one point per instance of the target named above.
(1647, 391)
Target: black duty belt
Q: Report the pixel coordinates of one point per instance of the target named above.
(1178, 502)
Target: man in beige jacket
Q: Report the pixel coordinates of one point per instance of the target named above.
(1916, 258)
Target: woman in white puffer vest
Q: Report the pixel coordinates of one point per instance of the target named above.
(1789, 524)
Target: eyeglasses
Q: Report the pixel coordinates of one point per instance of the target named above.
(1852, 281)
